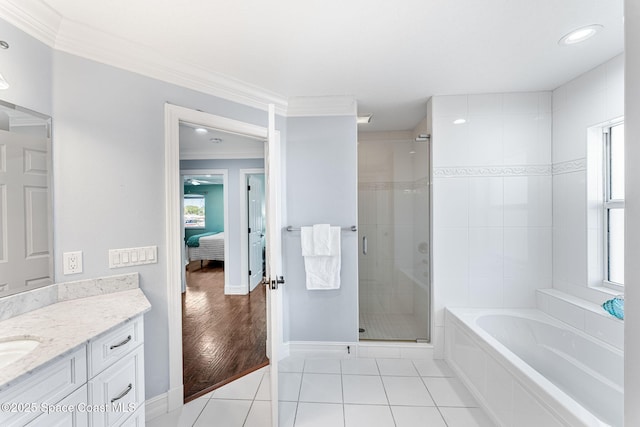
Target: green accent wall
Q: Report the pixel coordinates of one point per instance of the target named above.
(213, 207)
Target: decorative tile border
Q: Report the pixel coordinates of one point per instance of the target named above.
(473, 171)
(570, 166)
(387, 186)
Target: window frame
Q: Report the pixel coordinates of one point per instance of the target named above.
(194, 196)
(608, 204)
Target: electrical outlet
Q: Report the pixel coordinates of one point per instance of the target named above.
(72, 262)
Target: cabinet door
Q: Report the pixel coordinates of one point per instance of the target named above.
(45, 386)
(119, 389)
(69, 412)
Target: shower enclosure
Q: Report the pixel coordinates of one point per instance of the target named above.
(393, 224)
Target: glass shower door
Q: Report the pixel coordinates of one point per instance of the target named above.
(393, 219)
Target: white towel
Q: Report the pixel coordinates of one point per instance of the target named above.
(322, 271)
(322, 240)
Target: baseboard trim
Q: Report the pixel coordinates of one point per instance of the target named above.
(156, 406)
(236, 290)
(369, 349)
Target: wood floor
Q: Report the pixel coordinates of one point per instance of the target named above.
(223, 336)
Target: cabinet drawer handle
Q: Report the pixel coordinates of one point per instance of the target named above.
(121, 344)
(123, 394)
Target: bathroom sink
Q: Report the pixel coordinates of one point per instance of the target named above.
(13, 349)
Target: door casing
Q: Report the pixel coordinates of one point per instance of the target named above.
(173, 116)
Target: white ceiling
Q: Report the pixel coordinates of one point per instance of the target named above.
(390, 55)
(194, 145)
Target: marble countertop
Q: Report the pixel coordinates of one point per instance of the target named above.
(63, 326)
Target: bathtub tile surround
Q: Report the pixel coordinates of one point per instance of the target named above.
(591, 99)
(365, 396)
(584, 315)
(529, 369)
(17, 304)
(492, 219)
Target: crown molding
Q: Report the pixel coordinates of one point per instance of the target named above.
(38, 20)
(45, 24)
(84, 41)
(314, 106)
(33, 17)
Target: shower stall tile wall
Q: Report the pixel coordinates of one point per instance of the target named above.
(492, 229)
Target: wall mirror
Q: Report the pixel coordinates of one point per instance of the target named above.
(26, 219)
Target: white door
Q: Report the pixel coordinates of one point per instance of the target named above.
(255, 200)
(25, 251)
(274, 258)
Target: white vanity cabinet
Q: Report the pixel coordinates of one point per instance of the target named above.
(102, 381)
(22, 402)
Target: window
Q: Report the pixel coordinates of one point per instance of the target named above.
(614, 204)
(194, 213)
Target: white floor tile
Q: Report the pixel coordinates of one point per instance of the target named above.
(264, 390)
(319, 415)
(363, 389)
(184, 417)
(243, 388)
(397, 367)
(414, 416)
(359, 367)
(287, 413)
(433, 368)
(322, 366)
(222, 412)
(449, 392)
(259, 415)
(367, 416)
(409, 391)
(291, 364)
(289, 386)
(466, 417)
(321, 388)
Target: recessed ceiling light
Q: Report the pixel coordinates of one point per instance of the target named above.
(459, 121)
(580, 34)
(364, 119)
(201, 130)
(215, 140)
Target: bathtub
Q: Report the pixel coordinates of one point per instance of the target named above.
(529, 369)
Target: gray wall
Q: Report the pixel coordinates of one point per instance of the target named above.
(27, 66)
(321, 186)
(233, 234)
(109, 172)
(108, 149)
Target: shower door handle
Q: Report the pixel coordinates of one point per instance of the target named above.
(364, 245)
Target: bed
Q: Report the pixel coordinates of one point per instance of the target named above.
(211, 248)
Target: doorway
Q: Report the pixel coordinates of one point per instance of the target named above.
(173, 219)
(223, 312)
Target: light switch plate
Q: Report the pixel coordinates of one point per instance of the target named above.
(128, 257)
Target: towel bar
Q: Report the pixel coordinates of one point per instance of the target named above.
(352, 228)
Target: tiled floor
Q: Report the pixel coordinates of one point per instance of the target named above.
(339, 393)
(382, 326)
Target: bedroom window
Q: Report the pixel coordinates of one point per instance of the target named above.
(613, 137)
(194, 211)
